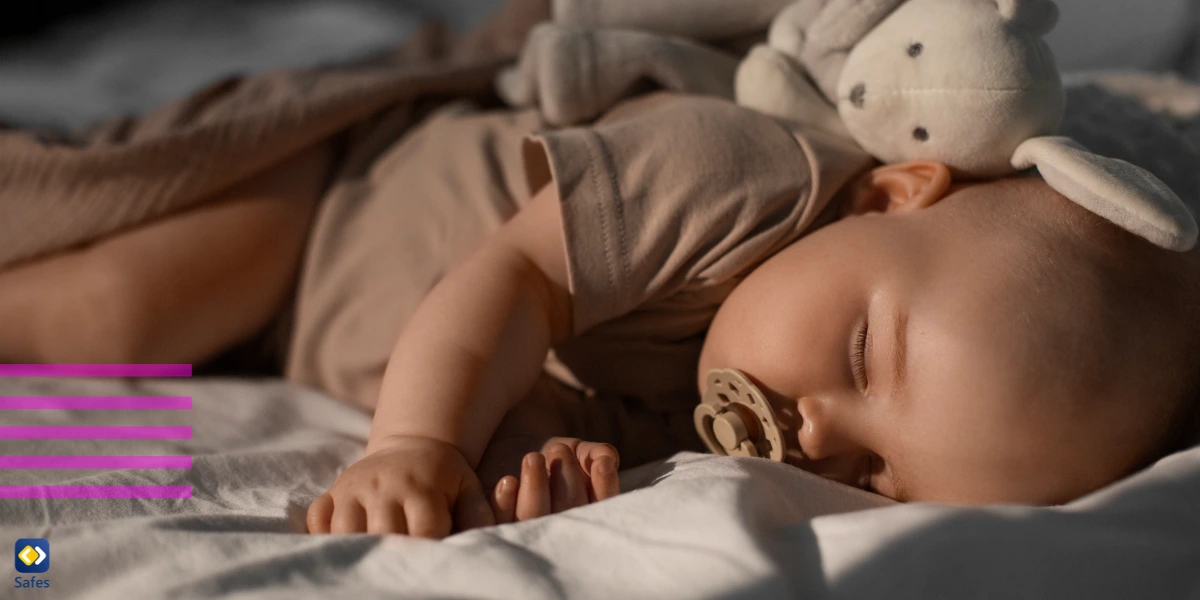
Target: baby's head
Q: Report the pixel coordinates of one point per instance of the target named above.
(983, 343)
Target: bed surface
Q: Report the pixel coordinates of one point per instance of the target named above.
(696, 527)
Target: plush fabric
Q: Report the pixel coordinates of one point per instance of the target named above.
(1092, 181)
(978, 89)
(955, 81)
(832, 34)
(576, 74)
(963, 82)
(769, 82)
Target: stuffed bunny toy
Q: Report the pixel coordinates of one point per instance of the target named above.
(969, 83)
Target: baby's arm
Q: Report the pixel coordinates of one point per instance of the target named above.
(471, 351)
(477, 342)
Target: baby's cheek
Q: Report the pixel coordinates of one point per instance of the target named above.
(789, 322)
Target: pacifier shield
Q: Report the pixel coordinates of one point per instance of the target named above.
(735, 419)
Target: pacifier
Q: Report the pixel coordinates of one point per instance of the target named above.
(735, 419)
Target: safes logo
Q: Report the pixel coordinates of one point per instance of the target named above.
(31, 555)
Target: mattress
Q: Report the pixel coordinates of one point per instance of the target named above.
(693, 526)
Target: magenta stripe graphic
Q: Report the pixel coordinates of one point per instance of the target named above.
(95, 462)
(118, 432)
(48, 370)
(95, 403)
(96, 491)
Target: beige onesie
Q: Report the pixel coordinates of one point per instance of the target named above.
(668, 201)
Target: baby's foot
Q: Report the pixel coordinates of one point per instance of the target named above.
(567, 473)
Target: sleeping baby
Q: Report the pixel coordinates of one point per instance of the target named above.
(939, 341)
(917, 334)
(561, 296)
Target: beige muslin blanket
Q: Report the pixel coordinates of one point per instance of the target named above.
(61, 191)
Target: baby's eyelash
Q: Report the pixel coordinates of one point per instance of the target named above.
(858, 360)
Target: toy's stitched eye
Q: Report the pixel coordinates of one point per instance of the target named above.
(921, 134)
(916, 49)
(858, 95)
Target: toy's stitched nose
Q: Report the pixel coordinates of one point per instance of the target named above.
(858, 96)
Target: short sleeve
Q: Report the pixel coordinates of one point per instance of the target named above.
(667, 192)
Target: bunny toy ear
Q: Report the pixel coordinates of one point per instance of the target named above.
(1039, 16)
(1122, 193)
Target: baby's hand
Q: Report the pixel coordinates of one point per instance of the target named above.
(411, 486)
(567, 473)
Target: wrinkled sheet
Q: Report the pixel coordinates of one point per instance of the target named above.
(696, 526)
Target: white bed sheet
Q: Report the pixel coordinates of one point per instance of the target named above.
(698, 527)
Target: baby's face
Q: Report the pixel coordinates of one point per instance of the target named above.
(896, 353)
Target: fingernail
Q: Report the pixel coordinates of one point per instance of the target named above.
(605, 466)
(533, 460)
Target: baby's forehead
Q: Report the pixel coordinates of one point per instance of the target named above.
(1002, 292)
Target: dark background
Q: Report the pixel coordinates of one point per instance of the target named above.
(37, 16)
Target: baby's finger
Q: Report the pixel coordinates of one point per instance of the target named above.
(533, 497)
(348, 516)
(504, 500)
(568, 482)
(605, 483)
(589, 452)
(386, 517)
(428, 517)
(319, 514)
(471, 508)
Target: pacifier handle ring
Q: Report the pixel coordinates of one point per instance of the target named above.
(705, 416)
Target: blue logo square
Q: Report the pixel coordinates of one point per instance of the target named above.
(31, 555)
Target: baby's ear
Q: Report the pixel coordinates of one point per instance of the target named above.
(899, 188)
(1038, 16)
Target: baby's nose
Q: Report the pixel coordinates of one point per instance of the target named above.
(824, 430)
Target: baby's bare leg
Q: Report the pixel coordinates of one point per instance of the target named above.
(179, 290)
